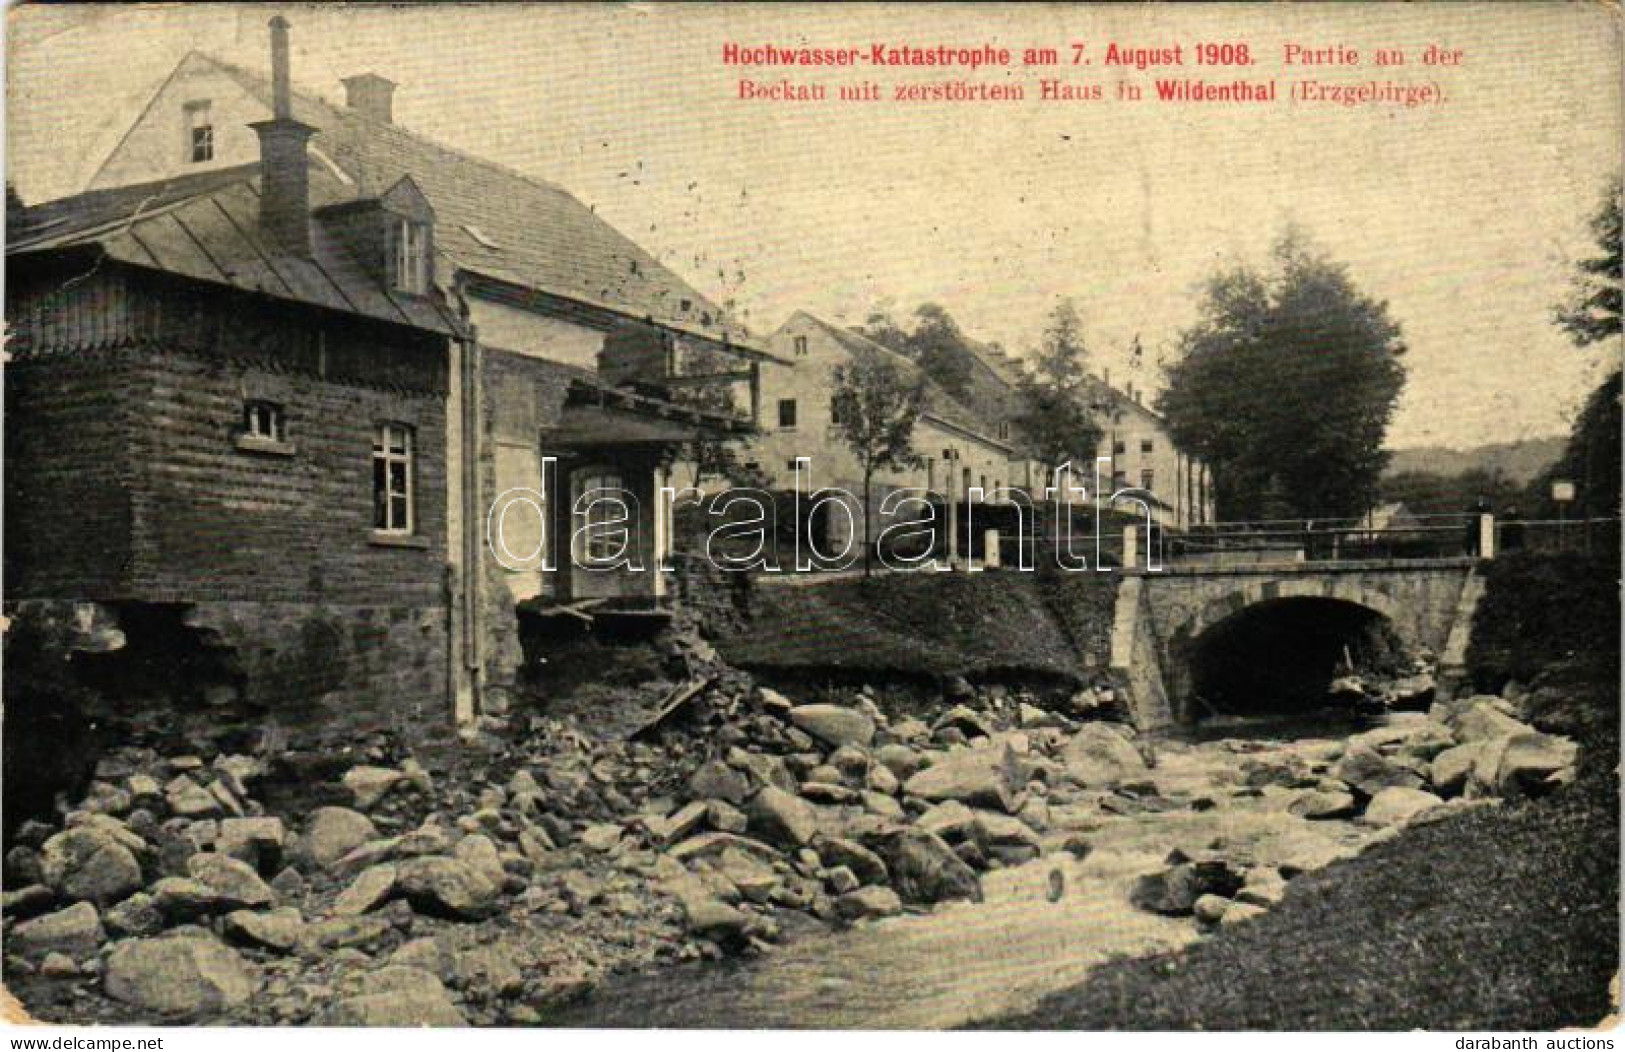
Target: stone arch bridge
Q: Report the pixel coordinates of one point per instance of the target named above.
(1163, 616)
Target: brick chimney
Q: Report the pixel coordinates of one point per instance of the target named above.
(284, 168)
(371, 96)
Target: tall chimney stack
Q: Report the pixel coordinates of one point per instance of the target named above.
(284, 167)
(371, 96)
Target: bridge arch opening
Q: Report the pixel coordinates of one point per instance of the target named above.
(1280, 655)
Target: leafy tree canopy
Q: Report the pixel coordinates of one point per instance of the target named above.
(1056, 420)
(935, 343)
(1286, 385)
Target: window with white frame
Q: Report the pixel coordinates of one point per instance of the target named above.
(800, 343)
(199, 131)
(409, 256)
(393, 450)
(264, 420)
(1148, 479)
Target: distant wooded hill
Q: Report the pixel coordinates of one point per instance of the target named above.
(1517, 462)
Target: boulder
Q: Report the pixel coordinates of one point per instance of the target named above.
(1264, 887)
(600, 837)
(1100, 756)
(1321, 805)
(278, 930)
(1428, 741)
(709, 916)
(1486, 719)
(1396, 805)
(834, 725)
(235, 883)
(1369, 772)
(1174, 891)
(480, 851)
(136, 916)
(1452, 767)
(30, 900)
(75, 931)
(445, 887)
(864, 864)
(367, 892)
(780, 818)
(187, 974)
(951, 820)
(924, 869)
(396, 996)
(181, 900)
(967, 720)
(1522, 764)
(1006, 838)
(89, 863)
(762, 770)
(333, 832)
(187, 799)
(901, 760)
(880, 779)
(755, 879)
(714, 780)
(978, 777)
(369, 785)
(1209, 909)
(256, 841)
(868, 903)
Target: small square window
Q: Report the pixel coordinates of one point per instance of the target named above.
(264, 420)
(787, 413)
(1146, 445)
(790, 465)
(1119, 447)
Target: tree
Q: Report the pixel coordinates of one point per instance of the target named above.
(1055, 418)
(1285, 386)
(1592, 315)
(874, 404)
(936, 344)
(1592, 312)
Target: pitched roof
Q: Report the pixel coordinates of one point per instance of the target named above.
(939, 404)
(206, 227)
(498, 222)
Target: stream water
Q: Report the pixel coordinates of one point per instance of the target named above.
(966, 961)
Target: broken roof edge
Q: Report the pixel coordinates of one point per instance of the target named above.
(509, 290)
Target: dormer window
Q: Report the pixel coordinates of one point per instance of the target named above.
(199, 131)
(409, 256)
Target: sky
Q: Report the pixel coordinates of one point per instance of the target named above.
(1465, 217)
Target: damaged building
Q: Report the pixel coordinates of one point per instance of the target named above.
(273, 371)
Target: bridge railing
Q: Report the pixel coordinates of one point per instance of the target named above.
(1331, 540)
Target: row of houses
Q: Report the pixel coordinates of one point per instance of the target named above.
(273, 369)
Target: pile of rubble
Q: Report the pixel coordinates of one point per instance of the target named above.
(1467, 751)
(493, 893)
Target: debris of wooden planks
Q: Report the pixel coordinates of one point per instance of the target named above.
(675, 702)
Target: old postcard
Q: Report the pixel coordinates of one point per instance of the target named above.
(808, 516)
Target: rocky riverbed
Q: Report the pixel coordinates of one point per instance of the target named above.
(851, 868)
